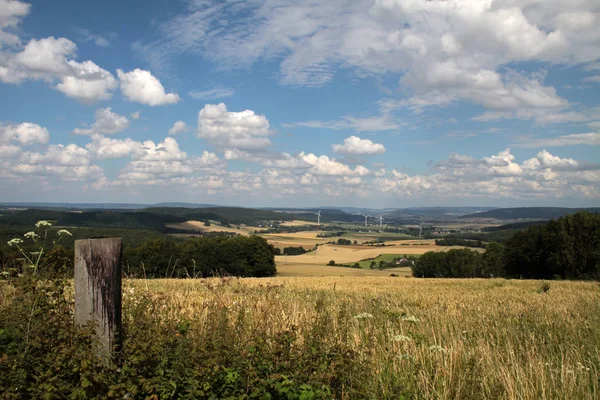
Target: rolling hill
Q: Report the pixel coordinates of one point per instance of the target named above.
(529, 212)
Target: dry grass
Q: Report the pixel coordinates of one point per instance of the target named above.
(442, 339)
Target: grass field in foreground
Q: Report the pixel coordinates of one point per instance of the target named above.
(436, 338)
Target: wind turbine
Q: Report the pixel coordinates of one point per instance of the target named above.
(421, 229)
(366, 218)
(319, 218)
(380, 221)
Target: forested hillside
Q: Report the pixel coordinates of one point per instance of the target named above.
(566, 248)
(529, 212)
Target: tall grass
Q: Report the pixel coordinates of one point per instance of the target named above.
(430, 338)
(342, 337)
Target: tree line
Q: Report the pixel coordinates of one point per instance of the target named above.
(566, 248)
(168, 258)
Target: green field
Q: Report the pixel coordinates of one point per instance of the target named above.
(382, 257)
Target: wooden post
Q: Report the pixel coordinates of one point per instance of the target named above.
(98, 290)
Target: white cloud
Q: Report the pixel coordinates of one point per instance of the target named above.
(445, 51)
(25, 133)
(135, 115)
(357, 146)
(323, 165)
(214, 93)
(48, 59)
(591, 139)
(11, 12)
(141, 86)
(242, 130)
(103, 147)
(58, 154)
(178, 127)
(98, 40)
(107, 122)
(383, 122)
(167, 150)
(594, 79)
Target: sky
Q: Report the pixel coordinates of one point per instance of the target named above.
(386, 103)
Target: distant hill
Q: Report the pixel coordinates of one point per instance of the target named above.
(100, 206)
(416, 214)
(226, 215)
(90, 219)
(529, 212)
(327, 214)
(153, 218)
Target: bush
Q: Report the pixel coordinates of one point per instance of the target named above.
(45, 356)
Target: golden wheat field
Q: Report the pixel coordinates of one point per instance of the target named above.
(436, 339)
(313, 263)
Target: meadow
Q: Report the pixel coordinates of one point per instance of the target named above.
(314, 337)
(442, 339)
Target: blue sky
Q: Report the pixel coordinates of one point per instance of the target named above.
(355, 103)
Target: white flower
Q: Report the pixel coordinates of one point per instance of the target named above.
(4, 273)
(437, 348)
(43, 223)
(363, 315)
(15, 241)
(411, 318)
(31, 235)
(64, 232)
(402, 338)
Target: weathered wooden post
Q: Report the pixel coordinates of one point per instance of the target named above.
(98, 290)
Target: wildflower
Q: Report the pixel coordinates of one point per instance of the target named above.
(15, 241)
(437, 348)
(64, 232)
(363, 315)
(31, 235)
(402, 338)
(41, 224)
(411, 318)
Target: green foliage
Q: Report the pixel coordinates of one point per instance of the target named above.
(44, 356)
(459, 242)
(455, 263)
(200, 257)
(568, 247)
(294, 251)
(565, 248)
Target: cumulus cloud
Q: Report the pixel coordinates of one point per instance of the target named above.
(323, 165)
(357, 146)
(242, 130)
(103, 147)
(178, 127)
(50, 59)
(25, 133)
(107, 122)
(143, 87)
(11, 13)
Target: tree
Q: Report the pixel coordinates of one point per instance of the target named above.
(492, 264)
(331, 262)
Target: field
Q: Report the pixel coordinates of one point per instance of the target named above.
(444, 339)
(199, 226)
(371, 337)
(310, 264)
